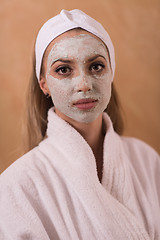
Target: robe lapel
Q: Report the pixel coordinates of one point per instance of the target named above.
(104, 204)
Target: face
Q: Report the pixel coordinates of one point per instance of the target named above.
(78, 76)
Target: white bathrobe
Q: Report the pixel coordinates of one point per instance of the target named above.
(53, 192)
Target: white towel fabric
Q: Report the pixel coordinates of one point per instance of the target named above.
(53, 192)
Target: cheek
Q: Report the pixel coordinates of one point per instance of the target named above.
(103, 83)
(59, 89)
(106, 93)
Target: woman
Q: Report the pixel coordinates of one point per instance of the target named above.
(82, 180)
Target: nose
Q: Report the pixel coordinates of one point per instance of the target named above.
(84, 85)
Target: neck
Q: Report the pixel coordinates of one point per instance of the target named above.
(93, 133)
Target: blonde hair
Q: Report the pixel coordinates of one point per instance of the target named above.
(37, 106)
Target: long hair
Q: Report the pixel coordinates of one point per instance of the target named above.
(37, 106)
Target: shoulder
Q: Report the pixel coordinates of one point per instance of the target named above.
(22, 193)
(144, 163)
(141, 154)
(139, 149)
(31, 171)
(23, 168)
(24, 176)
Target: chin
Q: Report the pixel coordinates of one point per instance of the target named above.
(85, 117)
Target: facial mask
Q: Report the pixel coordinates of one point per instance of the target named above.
(83, 93)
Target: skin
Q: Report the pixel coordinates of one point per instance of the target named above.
(86, 74)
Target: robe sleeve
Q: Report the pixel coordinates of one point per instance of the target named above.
(144, 164)
(18, 217)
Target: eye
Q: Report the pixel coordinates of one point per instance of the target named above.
(63, 70)
(96, 67)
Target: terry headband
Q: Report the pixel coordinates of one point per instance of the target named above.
(63, 22)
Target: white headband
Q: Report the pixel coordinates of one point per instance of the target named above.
(63, 22)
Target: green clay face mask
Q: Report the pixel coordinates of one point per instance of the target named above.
(79, 77)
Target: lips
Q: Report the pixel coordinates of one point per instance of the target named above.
(85, 104)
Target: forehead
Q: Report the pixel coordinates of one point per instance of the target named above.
(73, 39)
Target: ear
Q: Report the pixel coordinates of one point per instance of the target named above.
(43, 86)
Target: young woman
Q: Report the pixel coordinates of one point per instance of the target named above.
(81, 179)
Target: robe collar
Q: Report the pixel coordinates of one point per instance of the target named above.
(79, 165)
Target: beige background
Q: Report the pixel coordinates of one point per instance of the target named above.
(134, 28)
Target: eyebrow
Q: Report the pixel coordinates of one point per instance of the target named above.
(70, 61)
(95, 57)
(61, 60)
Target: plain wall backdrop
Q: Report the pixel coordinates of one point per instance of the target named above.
(134, 29)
